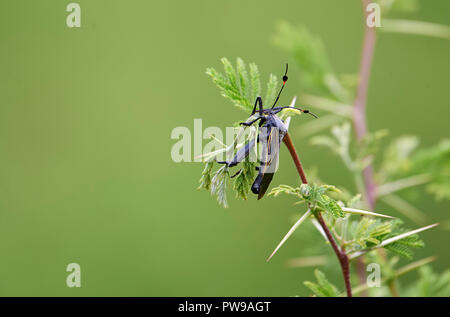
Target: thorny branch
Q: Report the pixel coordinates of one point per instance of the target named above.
(340, 253)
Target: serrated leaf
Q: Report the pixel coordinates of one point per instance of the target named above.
(272, 88)
(399, 247)
(229, 71)
(430, 284)
(309, 53)
(243, 78)
(255, 81)
(331, 206)
(323, 287)
(219, 185)
(205, 180)
(243, 181)
(284, 189)
(241, 86)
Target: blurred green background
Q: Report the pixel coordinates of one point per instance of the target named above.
(86, 114)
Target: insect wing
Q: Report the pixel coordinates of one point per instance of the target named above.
(270, 141)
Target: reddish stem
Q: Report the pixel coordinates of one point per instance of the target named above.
(288, 142)
(359, 117)
(359, 114)
(341, 255)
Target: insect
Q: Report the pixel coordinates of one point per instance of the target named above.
(271, 132)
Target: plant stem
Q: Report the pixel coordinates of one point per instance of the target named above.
(406, 269)
(359, 117)
(393, 288)
(340, 253)
(359, 114)
(288, 142)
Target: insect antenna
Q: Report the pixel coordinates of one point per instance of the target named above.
(278, 109)
(285, 78)
(308, 112)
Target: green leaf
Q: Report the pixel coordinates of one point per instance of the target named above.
(272, 89)
(229, 71)
(362, 233)
(368, 232)
(309, 53)
(243, 78)
(397, 240)
(354, 201)
(255, 81)
(325, 140)
(342, 135)
(403, 246)
(369, 145)
(331, 206)
(219, 185)
(244, 180)
(323, 288)
(314, 195)
(339, 144)
(440, 188)
(284, 189)
(400, 249)
(241, 86)
(396, 157)
(228, 90)
(430, 284)
(205, 180)
(436, 161)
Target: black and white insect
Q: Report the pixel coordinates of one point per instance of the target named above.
(272, 131)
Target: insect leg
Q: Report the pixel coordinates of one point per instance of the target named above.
(240, 155)
(247, 124)
(258, 101)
